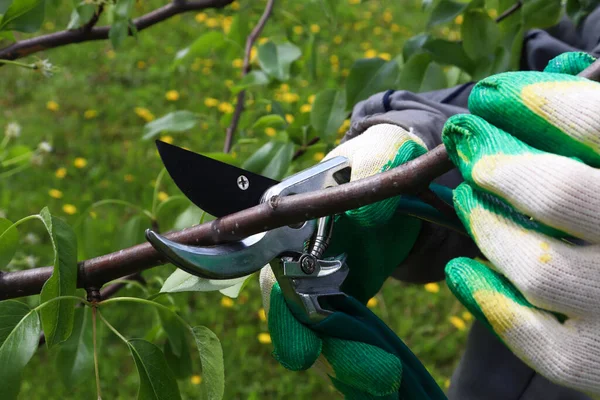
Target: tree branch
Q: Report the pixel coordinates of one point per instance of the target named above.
(410, 178)
(241, 97)
(63, 38)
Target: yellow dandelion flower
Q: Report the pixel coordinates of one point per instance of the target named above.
(235, 6)
(372, 302)
(387, 16)
(432, 287)
(377, 30)
(110, 54)
(290, 97)
(264, 338)
(162, 196)
(458, 20)
(268, 107)
(172, 95)
(227, 22)
(493, 13)
(335, 67)
(284, 87)
(206, 70)
(52, 106)
(262, 315)
(365, 45)
(385, 56)
(263, 40)
(447, 383)
(226, 302)
(210, 102)
(354, 1)
(144, 114)
(311, 98)
(55, 193)
(289, 118)
(228, 83)
(318, 156)
(370, 53)
(298, 29)
(467, 316)
(90, 114)
(49, 25)
(69, 209)
(128, 178)
(61, 173)
(204, 126)
(80, 162)
(93, 214)
(314, 28)
(345, 72)
(253, 53)
(226, 108)
(196, 379)
(305, 108)
(303, 83)
(458, 323)
(237, 63)
(212, 22)
(270, 131)
(344, 127)
(141, 64)
(200, 17)
(334, 59)
(167, 139)
(454, 35)
(337, 39)
(395, 28)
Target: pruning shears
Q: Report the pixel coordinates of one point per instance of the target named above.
(310, 283)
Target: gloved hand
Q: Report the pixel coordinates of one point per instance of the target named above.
(529, 156)
(375, 241)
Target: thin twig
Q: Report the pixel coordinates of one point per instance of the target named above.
(512, 9)
(304, 148)
(241, 97)
(30, 46)
(94, 20)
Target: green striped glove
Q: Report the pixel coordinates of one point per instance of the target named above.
(375, 241)
(529, 155)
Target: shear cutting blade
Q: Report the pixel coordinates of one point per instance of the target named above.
(217, 188)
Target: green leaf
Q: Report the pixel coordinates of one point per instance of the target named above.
(201, 47)
(446, 52)
(157, 381)
(541, 13)
(253, 79)
(480, 34)
(414, 45)
(271, 120)
(313, 56)
(57, 317)
(445, 11)
(176, 121)
(211, 357)
(434, 78)
(328, 113)
(122, 9)
(276, 59)
(174, 330)
(4, 4)
(181, 281)
(259, 160)
(23, 16)
(279, 164)
(191, 216)
(16, 156)
(132, 232)
(9, 240)
(81, 15)
(19, 336)
(578, 10)
(118, 33)
(181, 365)
(75, 357)
(227, 158)
(369, 76)
(411, 77)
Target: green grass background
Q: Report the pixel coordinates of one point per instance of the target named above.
(122, 166)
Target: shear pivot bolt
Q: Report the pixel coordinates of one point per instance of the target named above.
(308, 264)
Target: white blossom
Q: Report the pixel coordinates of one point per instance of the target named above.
(31, 238)
(13, 130)
(44, 147)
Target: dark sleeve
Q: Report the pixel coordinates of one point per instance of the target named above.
(424, 115)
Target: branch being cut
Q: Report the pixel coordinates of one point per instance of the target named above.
(410, 178)
(241, 97)
(27, 47)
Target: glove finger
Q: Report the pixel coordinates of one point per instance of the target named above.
(296, 347)
(565, 353)
(552, 112)
(363, 367)
(571, 63)
(551, 273)
(558, 191)
(351, 393)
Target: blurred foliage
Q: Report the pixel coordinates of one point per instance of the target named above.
(79, 143)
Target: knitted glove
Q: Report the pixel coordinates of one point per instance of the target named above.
(375, 241)
(531, 200)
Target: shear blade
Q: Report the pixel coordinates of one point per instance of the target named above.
(216, 187)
